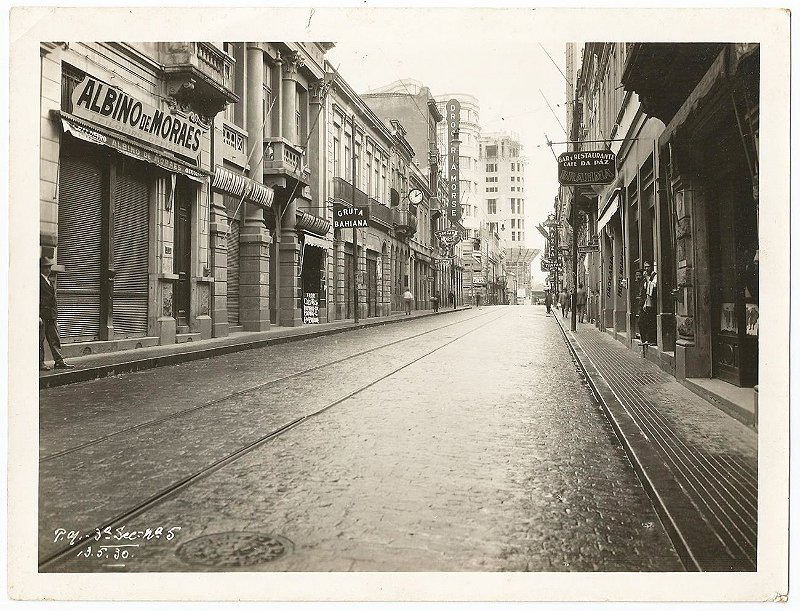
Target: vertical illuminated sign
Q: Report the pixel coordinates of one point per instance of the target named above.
(453, 196)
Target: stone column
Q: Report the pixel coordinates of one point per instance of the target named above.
(620, 294)
(665, 321)
(693, 293)
(362, 273)
(608, 282)
(218, 242)
(340, 312)
(254, 237)
(289, 305)
(291, 62)
(315, 155)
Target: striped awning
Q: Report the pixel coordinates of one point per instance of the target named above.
(235, 184)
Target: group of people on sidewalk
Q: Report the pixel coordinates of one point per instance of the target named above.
(645, 303)
(408, 300)
(564, 299)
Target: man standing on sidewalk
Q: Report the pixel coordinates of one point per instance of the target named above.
(580, 299)
(452, 297)
(647, 320)
(48, 313)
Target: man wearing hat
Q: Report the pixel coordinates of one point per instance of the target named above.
(48, 312)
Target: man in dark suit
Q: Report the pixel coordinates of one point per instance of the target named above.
(48, 312)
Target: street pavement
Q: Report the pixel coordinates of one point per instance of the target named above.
(475, 445)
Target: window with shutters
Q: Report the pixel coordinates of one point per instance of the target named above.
(70, 77)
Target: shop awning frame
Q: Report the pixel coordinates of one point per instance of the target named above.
(94, 134)
(610, 209)
(234, 183)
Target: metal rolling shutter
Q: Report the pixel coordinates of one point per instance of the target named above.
(233, 272)
(80, 205)
(131, 219)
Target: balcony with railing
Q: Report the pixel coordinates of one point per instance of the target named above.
(199, 75)
(404, 222)
(286, 160)
(380, 216)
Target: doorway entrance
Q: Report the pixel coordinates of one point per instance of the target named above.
(182, 255)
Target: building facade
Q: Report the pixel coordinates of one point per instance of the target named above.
(411, 104)
(685, 199)
(187, 192)
(127, 133)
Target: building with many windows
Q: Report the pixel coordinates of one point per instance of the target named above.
(504, 186)
(127, 161)
(684, 128)
(411, 103)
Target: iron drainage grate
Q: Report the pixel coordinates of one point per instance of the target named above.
(233, 549)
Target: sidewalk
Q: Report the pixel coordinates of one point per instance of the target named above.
(699, 465)
(125, 361)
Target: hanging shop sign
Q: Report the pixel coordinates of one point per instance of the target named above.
(347, 217)
(587, 168)
(448, 237)
(587, 248)
(311, 308)
(112, 107)
(453, 126)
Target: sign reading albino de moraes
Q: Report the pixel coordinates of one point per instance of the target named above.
(112, 107)
(587, 168)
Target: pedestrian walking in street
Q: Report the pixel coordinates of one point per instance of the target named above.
(580, 303)
(548, 300)
(479, 300)
(435, 302)
(563, 301)
(452, 297)
(48, 313)
(408, 299)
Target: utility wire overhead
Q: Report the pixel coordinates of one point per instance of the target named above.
(554, 113)
(555, 64)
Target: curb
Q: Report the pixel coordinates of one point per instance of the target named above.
(74, 376)
(689, 537)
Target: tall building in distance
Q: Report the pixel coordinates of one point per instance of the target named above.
(504, 186)
(480, 248)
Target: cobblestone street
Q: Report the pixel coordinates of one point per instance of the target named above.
(459, 442)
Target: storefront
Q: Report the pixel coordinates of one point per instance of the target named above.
(116, 192)
(313, 265)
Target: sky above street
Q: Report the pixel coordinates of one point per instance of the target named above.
(490, 54)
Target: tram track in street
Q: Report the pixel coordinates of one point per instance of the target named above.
(241, 392)
(175, 488)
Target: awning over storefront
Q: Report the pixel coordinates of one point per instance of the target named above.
(611, 208)
(235, 184)
(312, 224)
(94, 134)
(310, 239)
(714, 75)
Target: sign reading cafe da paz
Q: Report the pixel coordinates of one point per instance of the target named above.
(586, 168)
(347, 217)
